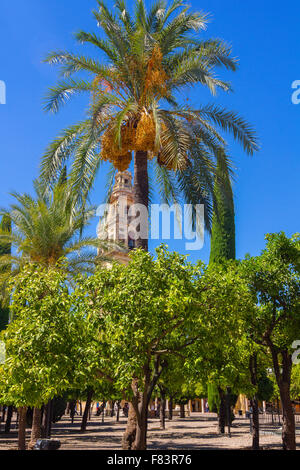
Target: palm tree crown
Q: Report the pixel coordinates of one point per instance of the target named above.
(134, 108)
(46, 229)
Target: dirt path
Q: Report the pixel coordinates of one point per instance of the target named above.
(197, 432)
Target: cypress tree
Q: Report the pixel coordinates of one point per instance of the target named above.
(223, 226)
(222, 248)
(5, 249)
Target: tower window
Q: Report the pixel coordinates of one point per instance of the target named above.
(131, 244)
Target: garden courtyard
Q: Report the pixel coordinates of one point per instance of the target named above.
(196, 432)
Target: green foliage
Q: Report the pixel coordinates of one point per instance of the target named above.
(273, 278)
(47, 228)
(142, 312)
(5, 226)
(5, 250)
(213, 398)
(44, 343)
(223, 228)
(295, 382)
(265, 389)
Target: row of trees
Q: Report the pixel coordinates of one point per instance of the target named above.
(141, 326)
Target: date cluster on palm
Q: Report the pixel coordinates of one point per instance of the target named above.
(134, 136)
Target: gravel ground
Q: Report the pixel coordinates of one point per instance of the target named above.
(197, 432)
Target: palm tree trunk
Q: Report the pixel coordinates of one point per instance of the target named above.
(22, 428)
(36, 431)
(141, 194)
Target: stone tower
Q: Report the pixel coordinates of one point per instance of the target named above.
(114, 224)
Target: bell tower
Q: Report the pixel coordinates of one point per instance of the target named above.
(114, 224)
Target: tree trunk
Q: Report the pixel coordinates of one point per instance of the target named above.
(163, 412)
(283, 378)
(255, 420)
(4, 408)
(130, 433)
(87, 410)
(22, 428)
(171, 409)
(36, 431)
(112, 410)
(47, 420)
(288, 427)
(254, 403)
(141, 192)
(118, 412)
(72, 407)
(182, 412)
(10, 411)
(222, 412)
(140, 442)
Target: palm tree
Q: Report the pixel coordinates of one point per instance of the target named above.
(47, 229)
(152, 57)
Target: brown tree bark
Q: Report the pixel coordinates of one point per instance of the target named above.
(9, 416)
(22, 428)
(4, 408)
(171, 409)
(140, 442)
(162, 412)
(288, 427)
(87, 409)
(141, 191)
(254, 403)
(283, 378)
(182, 412)
(47, 420)
(222, 412)
(255, 420)
(36, 430)
(130, 432)
(118, 412)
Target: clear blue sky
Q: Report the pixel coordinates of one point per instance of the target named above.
(265, 36)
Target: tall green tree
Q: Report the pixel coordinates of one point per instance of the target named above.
(5, 250)
(44, 344)
(142, 314)
(222, 248)
(273, 278)
(143, 64)
(223, 225)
